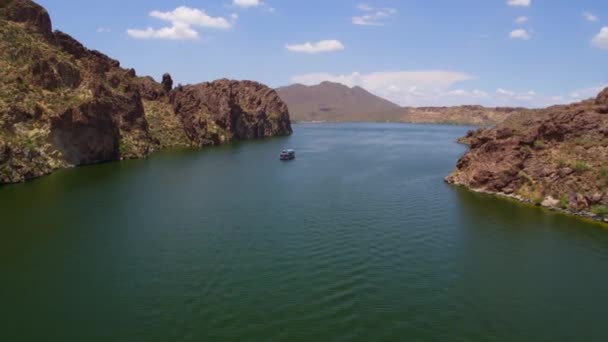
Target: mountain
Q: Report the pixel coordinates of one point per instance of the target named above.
(332, 102)
(63, 105)
(557, 157)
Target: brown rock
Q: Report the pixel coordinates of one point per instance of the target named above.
(602, 98)
(550, 202)
(70, 45)
(29, 13)
(51, 74)
(225, 110)
(595, 198)
(566, 171)
(581, 202)
(167, 83)
(86, 134)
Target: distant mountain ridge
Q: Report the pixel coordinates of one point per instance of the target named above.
(330, 101)
(335, 102)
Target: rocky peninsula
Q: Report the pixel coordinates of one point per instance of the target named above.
(555, 157)
(63, 105)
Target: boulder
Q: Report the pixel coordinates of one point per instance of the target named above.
(29, 13)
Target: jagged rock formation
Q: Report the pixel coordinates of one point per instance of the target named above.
(167, 83)
(62, 104)
(555, 157)
(225, 110)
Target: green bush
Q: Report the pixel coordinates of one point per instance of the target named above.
(600, 210)
(580, 167)
(563, 201)
(527, 149)
(526, 177)
(603, 176)
(539, 144)
(562, 163)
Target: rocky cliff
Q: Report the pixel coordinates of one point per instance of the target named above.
(555, 157)
(62, 104)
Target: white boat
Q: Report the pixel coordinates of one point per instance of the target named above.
(287, 155)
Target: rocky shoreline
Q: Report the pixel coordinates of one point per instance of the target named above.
(63, 105)
(555, 158)
(545, 205)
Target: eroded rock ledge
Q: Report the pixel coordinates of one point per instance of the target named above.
(555, 157)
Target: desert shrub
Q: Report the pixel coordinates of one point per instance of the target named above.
(600, 210)
(585, 142)
(526, 177)
(562, 163)
(603, 175)
(527, 149)
(563, 201)
(580, 167)
(539, 144)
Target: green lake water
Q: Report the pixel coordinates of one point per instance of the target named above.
(358, 239)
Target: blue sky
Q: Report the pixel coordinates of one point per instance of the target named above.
(413, 52)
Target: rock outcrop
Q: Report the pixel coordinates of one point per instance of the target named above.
(557, 157)
(62, 104)
(224, 110)
(167, 83)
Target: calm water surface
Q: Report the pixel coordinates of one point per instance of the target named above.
(357, 239)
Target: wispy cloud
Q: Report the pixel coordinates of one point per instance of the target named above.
(247, 3)
(522, 20)
(519, 3)
(372, 16)
(330, 45)
(104, 30)
(402, 87)
(586, 93)
(520, 34)
(590, 16)
(182, 20)
(601, 39)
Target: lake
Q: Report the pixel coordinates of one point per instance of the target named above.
(358, 239)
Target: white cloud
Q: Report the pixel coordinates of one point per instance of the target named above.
(520, 3)
(601, 39)
(475, 93)
(509, 96)
(501, 91)
(192, 16)
(318, 47)
(520, 34)
(104, 30)
(587, 93)
(440, 88)
(365, 7)
(182, 19)
(590, 16)
(247, 3)
(521, 20)
(411, 88)
(372, 16)
(178, 31)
